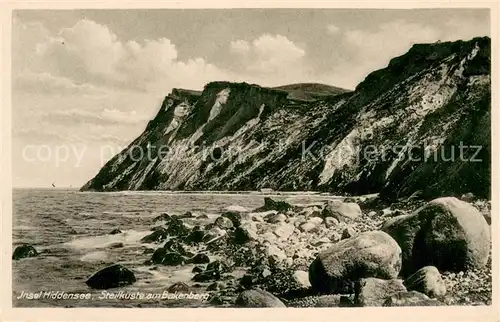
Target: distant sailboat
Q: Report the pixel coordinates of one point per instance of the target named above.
(53, 184)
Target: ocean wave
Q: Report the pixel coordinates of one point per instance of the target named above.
(163, 275)
(236, 208)
(97, 256)
(127, 237)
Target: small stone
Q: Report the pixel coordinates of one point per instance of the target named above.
(315, 220)
(335, 237)
(373, 291)
(348, 233)
(258, 298)
(235, 217)
(468, 197)
(299, 220)
(447, 233)
(162, 256)
(215, 286)
(275, 218)
(427, 280)
(163, 217)
(218, 266)
(241, 235)
(187, 214)
(284, 231)
(199, 259)
(331, 222)
(160, 234)
(322, 241)
(174, 246)
(115, 231)
(302, 278)
(208, 275)
(411, 298)
(270, 204)
(266, 272)
(274, 252)
(308, 227)
(179, 287)
(223, 223)
(116, 245)
(213, 234)
(343, 211)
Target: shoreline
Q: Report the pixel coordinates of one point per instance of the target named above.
(208, 192)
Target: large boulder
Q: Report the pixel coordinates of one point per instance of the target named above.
(24, 251)
(446, 232)
(373, 291)
(258, 298)
(369, 254)
(411, 298)
(342, 211)
(427, 280)
(110, 277)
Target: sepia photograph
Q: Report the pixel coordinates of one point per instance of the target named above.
(251, 157)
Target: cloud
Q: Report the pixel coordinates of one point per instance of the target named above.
(45, 83)
(370, 49)
(270, 60)
(90, 53)
(367, 50)
(390, 39)
(332, 29)
(241, 47)
(465, 29)
(38, 135)
(104, 117)
(28, 40)
(268, 53)
(46, 136)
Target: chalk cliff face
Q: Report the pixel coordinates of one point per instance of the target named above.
(393, 134)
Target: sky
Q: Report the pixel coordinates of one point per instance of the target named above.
(86, 82)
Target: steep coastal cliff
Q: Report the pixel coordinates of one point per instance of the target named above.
(419, 126)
